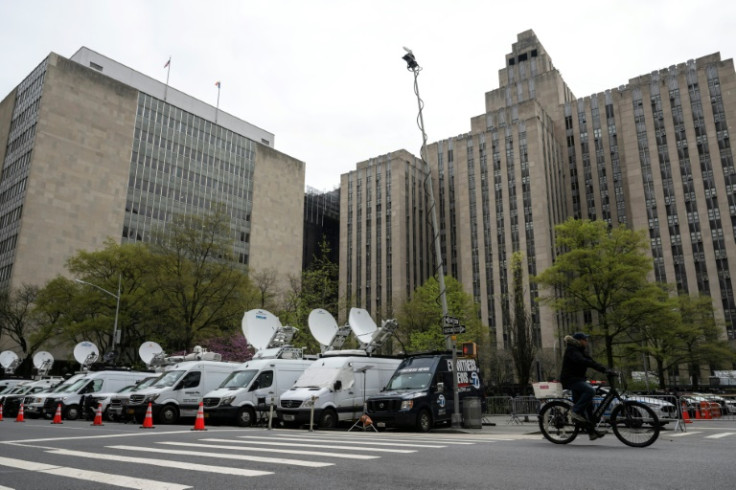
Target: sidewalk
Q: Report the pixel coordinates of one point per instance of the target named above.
(499, 424)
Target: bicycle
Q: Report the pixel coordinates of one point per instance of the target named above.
(634, 423)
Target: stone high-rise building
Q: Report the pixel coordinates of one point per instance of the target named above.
(653, 154)
(92, 149)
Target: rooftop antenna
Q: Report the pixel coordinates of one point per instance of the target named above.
(9, 361)
(325, 330)
(43, 361)
(151, 354)
(413, 66)
(86, 353)
(264, 331)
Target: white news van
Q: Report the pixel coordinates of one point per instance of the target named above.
(336, 385)
(247, 394)
(178, 392)
(70, 395)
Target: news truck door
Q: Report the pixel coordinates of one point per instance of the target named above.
(263, 388)
(191, 388)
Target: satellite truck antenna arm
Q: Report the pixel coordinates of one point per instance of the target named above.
(413, 66)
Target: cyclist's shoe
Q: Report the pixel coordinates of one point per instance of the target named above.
(595, 434)
(576, 417)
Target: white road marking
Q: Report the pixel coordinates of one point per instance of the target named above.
(267, 450)
(95, 476)
(167, 463)
(312, 439)
(681, 434)
(239, 457)
(718, 436)
(328, 446)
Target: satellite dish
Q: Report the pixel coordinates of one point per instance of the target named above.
(322, 325)
(43, 361)
(362, 324)
(86, 353)
(8, 359)
(259, 327)
(148, 350)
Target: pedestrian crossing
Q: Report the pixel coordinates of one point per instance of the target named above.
(717, 435)
(266, 452)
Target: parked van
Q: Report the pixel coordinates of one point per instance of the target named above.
(420, 393)
(178, 392)
(246, 395)
(33, 402)
(336, 386)
(101, 399)
(11, 399)
(72, 396)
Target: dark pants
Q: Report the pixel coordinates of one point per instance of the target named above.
(582, 396)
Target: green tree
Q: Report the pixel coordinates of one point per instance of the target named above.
(600, 270)
(420, 319)
(316, 287)
(522, 345)
(202, 294)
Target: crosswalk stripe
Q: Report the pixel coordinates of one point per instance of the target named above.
(356, 436)
(167, 463)
(6, 488)
(239, 457)
(268, 450)
(719, 436)
(95, 476)
(682, 434)
(329, 446)
(374, 443)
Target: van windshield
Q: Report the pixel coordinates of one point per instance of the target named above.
(410, 381)
(325, 377)
(239, 379)
(145, 383)
(73, 387)
(168, 379)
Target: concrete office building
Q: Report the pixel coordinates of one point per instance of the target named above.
(92, 149)
(653, 154)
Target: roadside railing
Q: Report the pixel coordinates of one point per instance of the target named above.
(682, 409)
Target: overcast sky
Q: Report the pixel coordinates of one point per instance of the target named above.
(326, 76)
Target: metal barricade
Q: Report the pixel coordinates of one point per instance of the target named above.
(524, 406)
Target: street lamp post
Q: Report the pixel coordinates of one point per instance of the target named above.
(117, 307)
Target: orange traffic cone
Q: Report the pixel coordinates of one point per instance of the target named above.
(199, 421)
(685, 414)
(148, 421)
(57, 417)
(20, 417)
(1, 412)
(98, 415)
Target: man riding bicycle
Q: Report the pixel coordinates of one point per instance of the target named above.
(574, 365)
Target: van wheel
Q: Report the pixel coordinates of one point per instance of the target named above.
(328, 419)
(169, 414)
(72, 412)
(424, 421)
(246, 417)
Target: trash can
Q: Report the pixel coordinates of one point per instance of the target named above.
(472, 416)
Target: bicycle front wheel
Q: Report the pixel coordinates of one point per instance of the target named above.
(555, 422)
(635, 424)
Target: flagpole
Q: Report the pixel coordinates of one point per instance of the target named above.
(168, 72)
(217, 108)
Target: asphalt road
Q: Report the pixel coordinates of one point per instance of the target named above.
(75, 455)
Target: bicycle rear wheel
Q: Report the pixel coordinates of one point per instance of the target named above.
(635, 424)
(555, 422)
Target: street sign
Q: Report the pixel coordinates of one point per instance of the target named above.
(454, 330)
(450, 321)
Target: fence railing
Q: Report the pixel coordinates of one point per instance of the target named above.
(681, 409)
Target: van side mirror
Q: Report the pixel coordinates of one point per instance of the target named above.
(338, 385)
(440, 387)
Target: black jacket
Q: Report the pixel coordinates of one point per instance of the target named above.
(575, 362)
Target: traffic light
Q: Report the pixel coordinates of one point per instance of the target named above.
(470, 349)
